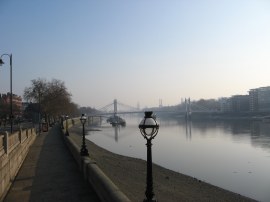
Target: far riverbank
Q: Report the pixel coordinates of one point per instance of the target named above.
(244, 116)
(129, 174)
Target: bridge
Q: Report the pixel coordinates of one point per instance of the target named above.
(186, 108)
(117, 107)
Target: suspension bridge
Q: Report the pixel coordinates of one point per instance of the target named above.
(111, 112)
(116, 107)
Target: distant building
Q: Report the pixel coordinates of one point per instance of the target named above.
(259, 99)
(239, 103)
(224, 104)
(236, 103)
(253, 100)
(16, 100)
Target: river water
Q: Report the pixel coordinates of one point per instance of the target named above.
(234, 155)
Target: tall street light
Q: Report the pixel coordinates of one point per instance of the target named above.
(67, 133)
(10, 99)
(62, 121)
(84, 151)
(149, 129)
(39, 109)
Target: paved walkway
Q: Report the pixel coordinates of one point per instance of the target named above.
(49, 173)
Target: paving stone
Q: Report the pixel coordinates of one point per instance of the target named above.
(49, 173)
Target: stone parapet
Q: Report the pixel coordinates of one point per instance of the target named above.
(13, 150)
(104, 187)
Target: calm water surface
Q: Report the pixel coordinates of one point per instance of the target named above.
(233, 155)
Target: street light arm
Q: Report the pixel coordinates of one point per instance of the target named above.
(10, 57)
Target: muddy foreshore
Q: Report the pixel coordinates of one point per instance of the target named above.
(129, 174)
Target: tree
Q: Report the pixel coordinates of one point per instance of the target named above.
(5, 109)
(53, 98)
(36, 91)
(87, 110)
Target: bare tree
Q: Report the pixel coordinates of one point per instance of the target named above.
(53, 98)
(35, 92)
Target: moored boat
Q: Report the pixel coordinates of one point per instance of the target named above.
(116, 120)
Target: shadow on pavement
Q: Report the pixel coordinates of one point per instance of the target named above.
(49, 173)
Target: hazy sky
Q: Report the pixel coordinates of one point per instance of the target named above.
(137, 51)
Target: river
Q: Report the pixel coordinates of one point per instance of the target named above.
(234, 155)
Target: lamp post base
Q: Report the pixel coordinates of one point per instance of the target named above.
(84, 152)
(151, 200)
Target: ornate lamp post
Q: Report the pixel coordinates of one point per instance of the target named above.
(39, 109)
(84, 151)
(62, 121)
(149, 129)
(67, 133)
(10, 99)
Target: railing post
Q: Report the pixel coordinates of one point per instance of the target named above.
(6, 142)
(20, 135)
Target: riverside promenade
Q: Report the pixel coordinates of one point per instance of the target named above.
(50, 173)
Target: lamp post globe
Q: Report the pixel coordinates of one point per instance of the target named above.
(149, 126)
(84, 151)
(149, 129)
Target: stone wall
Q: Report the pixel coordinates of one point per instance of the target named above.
(13, 150)
(104, 187)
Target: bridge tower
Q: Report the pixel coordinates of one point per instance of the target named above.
(188, 110)
(138, 105)
(160, 103)
(115, 106)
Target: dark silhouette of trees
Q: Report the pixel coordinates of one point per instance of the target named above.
(87, 110)
(51, 98)
(5, 111)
